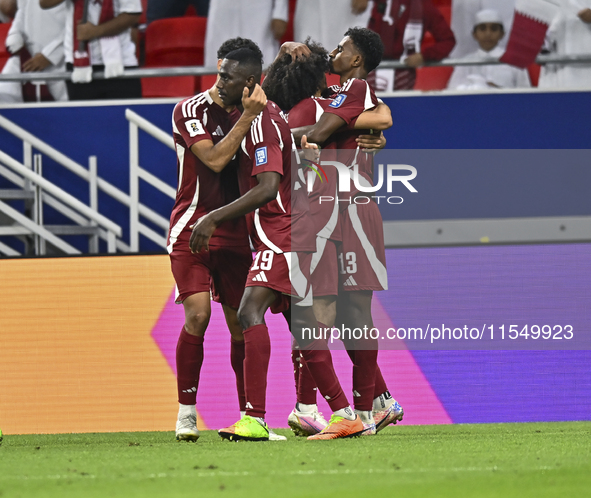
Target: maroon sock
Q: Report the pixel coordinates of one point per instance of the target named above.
(380, 387)
(319, 362)
(364, 378)
(295, 360)
(306, 385)
(257, 348)
(189, 358)
(237, 361)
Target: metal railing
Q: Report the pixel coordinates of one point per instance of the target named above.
(136, 172)
(43, 191)
(27, 176)
(154, 72)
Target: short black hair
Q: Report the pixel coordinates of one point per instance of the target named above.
(288, 83)
(236, 43)
(369, 44)
(249, 60)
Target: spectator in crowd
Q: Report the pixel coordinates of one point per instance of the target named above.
(488, 31)
(7, 10)
(401, 25)
(462, 20)
(568, 34)
(101, 42)
(36, 41)
(262, 21)
(162, 9)
(326, 20)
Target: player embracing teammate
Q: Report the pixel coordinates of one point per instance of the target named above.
(208, 236)
(355, 231)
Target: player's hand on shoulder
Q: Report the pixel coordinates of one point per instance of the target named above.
(255, 102)
(202, 232)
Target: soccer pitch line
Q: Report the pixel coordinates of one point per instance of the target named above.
(173, 475)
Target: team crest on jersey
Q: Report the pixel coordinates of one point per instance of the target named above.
(261, 156)
(194, 127)
(338, 101)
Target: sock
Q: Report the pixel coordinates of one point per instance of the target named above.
(242, 413)
(383, 401)
(306, 385)
(319, 361)
(364, 377)
(186, 411)
(237, 361)
(189, 358)
(345, 412)
(257, 348)
(295, 360)
(366, 417)
(304, 408)
(380, 386)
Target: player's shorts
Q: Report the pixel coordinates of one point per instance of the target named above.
(362, 256)
(324, 269)
(287, 273)
(221, 270)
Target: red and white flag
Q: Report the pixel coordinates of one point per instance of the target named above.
(530, 24)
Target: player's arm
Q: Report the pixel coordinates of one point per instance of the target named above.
(321, 131)
(264, 192)
(378, 118)
(217, 156)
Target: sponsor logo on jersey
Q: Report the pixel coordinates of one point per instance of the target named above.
(260, 277)
(338, 101)
(218, 132)
(350, 282)
(194, 127)
(261, 156)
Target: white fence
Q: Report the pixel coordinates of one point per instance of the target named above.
(37, 191)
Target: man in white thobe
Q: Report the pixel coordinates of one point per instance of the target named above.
(569, 34)
(41, 33)
(325, 21)
(262, 21)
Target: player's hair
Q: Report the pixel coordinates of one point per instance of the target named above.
(369, 44)
(236, 43)
(287, 82)
(248, 60)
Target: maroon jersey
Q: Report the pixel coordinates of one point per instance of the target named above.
(354, 97)
(283, 224)
(324, 213)
(200, 189)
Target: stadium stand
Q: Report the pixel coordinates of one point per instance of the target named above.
(177, 41)
(434, 78)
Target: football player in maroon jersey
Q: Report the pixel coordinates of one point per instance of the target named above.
(279, 227)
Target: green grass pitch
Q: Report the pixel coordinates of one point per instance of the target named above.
(521, 460)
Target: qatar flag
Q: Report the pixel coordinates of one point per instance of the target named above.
(531, 21)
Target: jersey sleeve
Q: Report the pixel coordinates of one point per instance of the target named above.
(265, 146)
(355, 97)
(189, 122)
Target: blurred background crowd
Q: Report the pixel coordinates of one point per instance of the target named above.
(110, 36)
